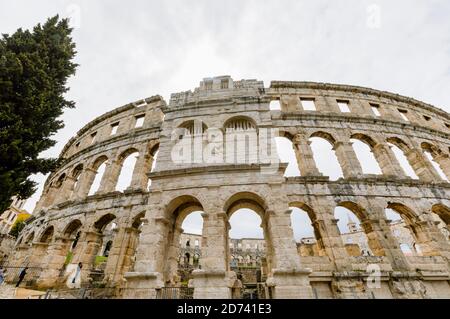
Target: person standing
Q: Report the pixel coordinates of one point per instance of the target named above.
(22, 276)
(77, 273)
(2, 276)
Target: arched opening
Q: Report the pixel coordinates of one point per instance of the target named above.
(275, 105)
(106, 228)
(286, 154)
(29, 239)
(249, 243)
(241, 141)
(99, 167)
(76, 173)
(190, 142)
(47, 235)
(190, 241)
(60, 180)
(423, 244)
(402, 231)
(153, 161)
(399, 148)
(184, 214)
(127, 161)
(133, 241)
(362, 145)
(324, 155)
(431, 153)
(306, 233)
(72, 234)
(353, 234)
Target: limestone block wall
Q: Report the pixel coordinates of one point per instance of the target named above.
(144, 254)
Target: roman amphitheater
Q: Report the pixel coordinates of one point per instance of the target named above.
(216, 155)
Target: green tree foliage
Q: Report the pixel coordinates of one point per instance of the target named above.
(34, 69)
(17, 228)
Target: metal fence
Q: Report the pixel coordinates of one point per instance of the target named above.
(175, 293)
(11, 275)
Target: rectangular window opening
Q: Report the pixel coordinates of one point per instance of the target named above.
(208, 85)
(403, 114)
(114, 128)
(224, 84)
(93, 137)
(139, 121)
(308, 104)
(344, 106)
(375, 109)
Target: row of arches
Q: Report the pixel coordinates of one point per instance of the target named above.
(87, 239)
(251, 204)
(104, 174)
(373, 158)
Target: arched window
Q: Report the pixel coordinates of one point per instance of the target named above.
(352, 233)
(325, 156)
(126, 173)
(365, 157)
(241, 141)
(402, 230)
(431, 153)
(154, 156)
(76, 174)
(100, 167)
(403, 160)
(286, 154)
(306, 236)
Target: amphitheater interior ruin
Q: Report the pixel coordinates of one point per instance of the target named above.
(212, 152)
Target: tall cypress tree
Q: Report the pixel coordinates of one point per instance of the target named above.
(34, 69)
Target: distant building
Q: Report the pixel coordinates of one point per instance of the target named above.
(15, 212)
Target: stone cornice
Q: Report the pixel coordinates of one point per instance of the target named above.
(338, 117)
(211, 169)
(356, 89)
(99, 119)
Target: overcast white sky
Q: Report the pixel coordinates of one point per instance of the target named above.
(136, 49)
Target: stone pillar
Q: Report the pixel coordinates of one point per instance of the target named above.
(330, 237)
(84, 183)
(346, 155)
(431, 240)
(37, 254)
(388, 162)
(122, 250)
(53, 262)
(143, 165)
(149, 266)
(290, 103)
(444, 162)
(110, 177)
(86, 251)
(211, 282)
(384, 242)
(304, 155)
(50, 196)
(66, 189)
(173, 254)
(287, 277)
(422, 166)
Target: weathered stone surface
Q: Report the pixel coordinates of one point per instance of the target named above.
(143, 256)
